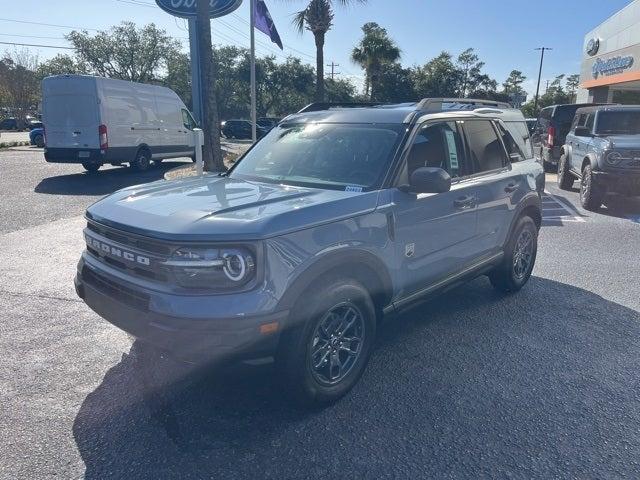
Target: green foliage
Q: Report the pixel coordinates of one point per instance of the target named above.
(439, 77)
(60, 65)
(19, 85)
(560, 91)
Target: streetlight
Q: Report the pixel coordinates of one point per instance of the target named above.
(542, 49)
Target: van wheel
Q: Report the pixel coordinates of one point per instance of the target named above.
(519, 258)
(323, 357)
(91, 167)
(157, 161)
(565, 177)
(591, 194)
(142, 160)
(39, 141)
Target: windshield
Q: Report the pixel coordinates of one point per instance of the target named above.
(323, 155)
(619, 123)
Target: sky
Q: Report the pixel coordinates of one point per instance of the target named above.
(504, 33)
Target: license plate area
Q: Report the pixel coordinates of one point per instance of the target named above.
(84, 154)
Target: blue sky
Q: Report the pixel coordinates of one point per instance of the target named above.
(503, 32)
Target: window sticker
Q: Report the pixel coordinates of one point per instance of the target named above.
(352, 188)
(451, 144)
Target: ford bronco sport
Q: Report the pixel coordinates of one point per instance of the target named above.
(341, 215)
(603, 152)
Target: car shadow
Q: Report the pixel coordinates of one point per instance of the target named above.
(105, 181)
(621, 207)
(472, 383)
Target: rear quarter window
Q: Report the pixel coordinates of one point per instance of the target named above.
(519, 134)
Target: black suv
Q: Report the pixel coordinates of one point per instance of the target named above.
(551, 130)
(241, 129)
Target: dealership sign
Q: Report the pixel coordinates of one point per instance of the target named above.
(611, 66)
(187, 8)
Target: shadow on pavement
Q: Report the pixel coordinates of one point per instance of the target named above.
(621, 207)
(474, 384)
(105, 181)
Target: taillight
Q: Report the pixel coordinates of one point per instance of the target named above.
(104, 139)
(551, 133)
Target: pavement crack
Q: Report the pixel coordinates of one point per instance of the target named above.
(39, 295)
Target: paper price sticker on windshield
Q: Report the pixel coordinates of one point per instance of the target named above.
(352, 188)
(453, 155)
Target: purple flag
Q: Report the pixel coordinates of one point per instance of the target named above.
(264, 22)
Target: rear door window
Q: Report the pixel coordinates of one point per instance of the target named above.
(439, 145)
(485, 148)
(71, 110)
(516, 139)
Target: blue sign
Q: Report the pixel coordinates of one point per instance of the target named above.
(187, 8)
(611, 66)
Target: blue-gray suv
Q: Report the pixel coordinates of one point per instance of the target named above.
(602, 150)
(340, 216)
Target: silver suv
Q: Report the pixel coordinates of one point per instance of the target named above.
(340, 216)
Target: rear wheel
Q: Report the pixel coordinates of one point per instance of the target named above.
(591, 194)
(565, 177)
(323, 357)
(39, 141)
(157, 161)
(142, 160)
(519, 258)
(91, 167)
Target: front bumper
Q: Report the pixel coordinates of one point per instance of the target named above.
(194, 340)
(623, 182)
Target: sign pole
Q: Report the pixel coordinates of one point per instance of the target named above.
(196, 98)
(252, 13)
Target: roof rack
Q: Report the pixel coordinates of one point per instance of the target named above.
(438, 104)
(319, 106)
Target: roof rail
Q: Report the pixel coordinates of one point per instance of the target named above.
(437, 104)
(319, 106)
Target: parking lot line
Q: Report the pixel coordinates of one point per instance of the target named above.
(555, 210)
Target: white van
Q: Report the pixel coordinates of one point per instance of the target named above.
(96, 121)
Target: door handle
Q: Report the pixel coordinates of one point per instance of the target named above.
(512, 187)
(464, 202)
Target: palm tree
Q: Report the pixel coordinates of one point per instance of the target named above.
(317, 17)
(374, 51)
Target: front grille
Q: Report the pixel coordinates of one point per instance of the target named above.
(116, 291)
(154, 252)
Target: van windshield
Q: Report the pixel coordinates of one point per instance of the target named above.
(619, 123)
(71, 110)
(322, 155)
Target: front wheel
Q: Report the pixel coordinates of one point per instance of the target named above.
(519, 258)
(323, 357)
(39, 141)
(591, 194)
(142, 161)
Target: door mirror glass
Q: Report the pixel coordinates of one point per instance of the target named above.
(582, 132)
(429, 180)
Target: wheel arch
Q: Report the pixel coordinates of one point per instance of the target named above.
(357, 264)
(142, 147)
(531, 206)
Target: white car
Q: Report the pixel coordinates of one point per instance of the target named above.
(96, 121)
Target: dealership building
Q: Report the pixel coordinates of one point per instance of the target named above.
(610, 70)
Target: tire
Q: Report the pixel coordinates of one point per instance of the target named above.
(519, 257)
(39, 141)
(142, 161)
(91, 167)
(549, 167)
(565, 177)
(591, 194)
(324, 309)
(157, 162)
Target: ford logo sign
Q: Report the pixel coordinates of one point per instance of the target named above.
(593, 46)
(187, 8)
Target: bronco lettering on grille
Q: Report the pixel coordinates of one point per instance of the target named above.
(114, 251)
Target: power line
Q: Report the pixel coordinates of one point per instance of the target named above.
(35, 45)
(46, 24)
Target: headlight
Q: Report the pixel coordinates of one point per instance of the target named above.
(212, 268)
(614, 158)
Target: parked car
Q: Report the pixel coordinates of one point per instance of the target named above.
(551, 130)
(11, 123)
(267, 122)
(96, 121)
(338, 217)
(36, 137)
(34, 124)
(603, 152)
(241, 129)
(531, 124)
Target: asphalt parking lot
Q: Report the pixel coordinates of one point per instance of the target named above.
(541, 384)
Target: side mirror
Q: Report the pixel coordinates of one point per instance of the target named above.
(429, 180)
(582, 132)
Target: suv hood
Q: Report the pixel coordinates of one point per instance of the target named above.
(624, 141)
(222, 208)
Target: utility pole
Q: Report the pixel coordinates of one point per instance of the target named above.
(211, 152)
(535, 103)
(252, 36)
(333, 66)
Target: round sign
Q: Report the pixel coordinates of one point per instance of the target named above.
(187, 8)
(593, 45)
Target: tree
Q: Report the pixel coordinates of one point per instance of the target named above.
(374, 51)
(178, 77)
(513, 83)
(125, 52)
(60, 65)
(437, 78)
(317, 17)
(212, 153)
(573, 81)
(470, 67)
(19, 84)
(340, 90)
(395, 84)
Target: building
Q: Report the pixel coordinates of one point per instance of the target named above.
(610, 69)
